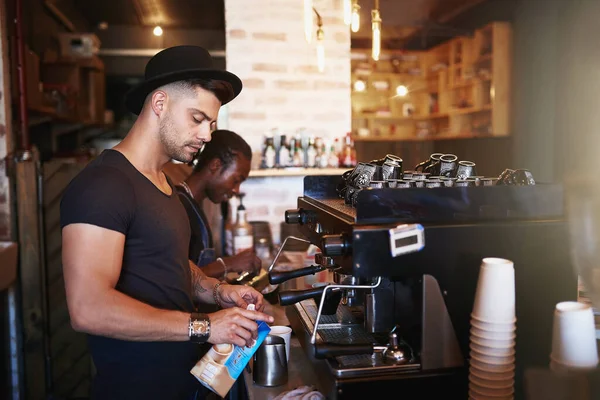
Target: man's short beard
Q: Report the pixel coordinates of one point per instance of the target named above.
(168, 138)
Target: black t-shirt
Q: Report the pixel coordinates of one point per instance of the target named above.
(111, 193)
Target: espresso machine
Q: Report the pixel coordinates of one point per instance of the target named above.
(398, 319)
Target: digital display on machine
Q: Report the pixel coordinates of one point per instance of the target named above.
(406, 241)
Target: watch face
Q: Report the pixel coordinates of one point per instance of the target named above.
(200, 327)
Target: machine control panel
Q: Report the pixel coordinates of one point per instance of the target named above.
(407, 238)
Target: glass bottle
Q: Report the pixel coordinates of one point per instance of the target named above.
(242, 237)
(284, 153)
(311, 154)
(270, 153)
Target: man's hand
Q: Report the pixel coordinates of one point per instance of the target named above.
(235, 325)
(243, 261)
(241, 296)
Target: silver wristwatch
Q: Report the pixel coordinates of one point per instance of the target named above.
(199, 329)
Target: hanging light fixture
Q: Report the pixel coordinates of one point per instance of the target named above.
(320, 43)
(360, 85)
(308, 20)
(376, 27)
(401, 90)
(320, 51)
(347, 12)
(355, 17)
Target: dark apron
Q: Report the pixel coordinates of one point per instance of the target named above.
(207, 254)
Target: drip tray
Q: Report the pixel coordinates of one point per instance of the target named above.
(345, 328)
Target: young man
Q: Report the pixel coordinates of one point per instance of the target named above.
(220, 169)
(125, 234)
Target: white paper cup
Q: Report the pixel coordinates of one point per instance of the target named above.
(493, 343)
(286, 333)
(495, 293)
(565, 370)
(574, 336)
(491, 351)
(477, 396)
(481, 390)
(491, 376)
(483, 334)
(493, 327)
(494, 360)
(492, 384)
(492, 368)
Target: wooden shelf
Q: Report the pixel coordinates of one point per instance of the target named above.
(469, 110)
(431, 116)
(264, 173)
(425, 139)
(444, 72)
(381, 117)
(374, 75)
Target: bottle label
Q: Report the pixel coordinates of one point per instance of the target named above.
(241, 243)
(311, 156)
(284, 157)
(270, 157)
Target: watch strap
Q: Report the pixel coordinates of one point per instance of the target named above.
(199, 328)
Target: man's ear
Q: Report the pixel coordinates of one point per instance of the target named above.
(158, 102)
(215, 165)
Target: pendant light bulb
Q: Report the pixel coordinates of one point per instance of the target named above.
(347, 12)
(355, 18)
(320, 50)
(376, 26)
(308, 20)
(157, 31)
(401, 91)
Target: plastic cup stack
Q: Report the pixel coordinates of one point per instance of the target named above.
(574, 347)
(493, 332)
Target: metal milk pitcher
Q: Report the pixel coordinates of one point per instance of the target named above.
(270, 362)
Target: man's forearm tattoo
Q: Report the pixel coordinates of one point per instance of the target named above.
(197, 279)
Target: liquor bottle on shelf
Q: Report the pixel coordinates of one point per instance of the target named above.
(284, 153)
(292, 147)
(270, 152)
(324, 159)
(311, 153)
(298, 154)
(239, 235)
(334, 161)
(348, 156)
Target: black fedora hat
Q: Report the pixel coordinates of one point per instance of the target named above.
(176, 64)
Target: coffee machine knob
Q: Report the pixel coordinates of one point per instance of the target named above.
(334, 245)
(294, 216)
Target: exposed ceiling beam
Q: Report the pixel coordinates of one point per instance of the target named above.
(145, 52)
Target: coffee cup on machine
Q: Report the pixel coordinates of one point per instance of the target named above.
(366, 174)
(392, 167)
(432, 159)
(447, 165)
(465, 170)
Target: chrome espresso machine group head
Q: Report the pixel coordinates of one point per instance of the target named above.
(406, 262)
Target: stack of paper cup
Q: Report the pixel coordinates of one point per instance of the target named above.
(493, 326)
(574, 346)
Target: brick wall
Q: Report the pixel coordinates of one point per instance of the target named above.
(283, 88)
